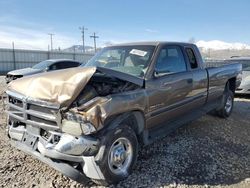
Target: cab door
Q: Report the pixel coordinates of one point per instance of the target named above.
(200, 79)
(170, 87)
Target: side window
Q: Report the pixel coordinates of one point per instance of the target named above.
(69, 64)
(53, 67)
(170, 60)
(192, 58)
(56, 66)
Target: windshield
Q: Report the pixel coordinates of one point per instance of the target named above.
(132, 60)
(42, 65)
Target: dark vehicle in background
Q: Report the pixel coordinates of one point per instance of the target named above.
(44, 66)
(88, 122)
(244, 87)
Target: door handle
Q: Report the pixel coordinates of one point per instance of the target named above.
(166, 86)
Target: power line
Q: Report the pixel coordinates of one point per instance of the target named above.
(51, 41)
(94, 36)
(82, 30)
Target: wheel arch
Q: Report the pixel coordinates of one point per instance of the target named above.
(231, 84)
(134, 119)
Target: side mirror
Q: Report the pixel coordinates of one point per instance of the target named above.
(46, 69)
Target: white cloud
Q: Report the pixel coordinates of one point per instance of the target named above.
(104, 43)
(151, 31)
(27, 38)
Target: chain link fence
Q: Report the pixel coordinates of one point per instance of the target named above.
(12, 59)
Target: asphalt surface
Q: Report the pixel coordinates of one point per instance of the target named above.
(209, 152)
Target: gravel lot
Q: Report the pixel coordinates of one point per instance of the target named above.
(210, 152)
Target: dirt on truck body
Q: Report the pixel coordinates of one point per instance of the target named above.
(87, 122)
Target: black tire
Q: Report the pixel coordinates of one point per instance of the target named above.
(108, 140)
(227, 104)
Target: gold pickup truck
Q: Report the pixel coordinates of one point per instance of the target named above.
(87, 122)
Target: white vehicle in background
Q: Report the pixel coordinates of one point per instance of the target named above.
(244, 87)
(44, 66)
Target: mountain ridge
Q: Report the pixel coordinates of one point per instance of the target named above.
(221, 45)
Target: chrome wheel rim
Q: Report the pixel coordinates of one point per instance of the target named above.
(120, 156)
(229, 104)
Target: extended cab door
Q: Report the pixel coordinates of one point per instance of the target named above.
(169, 90)
(200, 79)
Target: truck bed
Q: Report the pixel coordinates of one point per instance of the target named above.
(219, 74)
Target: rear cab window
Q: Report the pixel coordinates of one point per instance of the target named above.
(191, 57)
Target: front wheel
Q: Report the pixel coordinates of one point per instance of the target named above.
(121, 150)
(227, 104)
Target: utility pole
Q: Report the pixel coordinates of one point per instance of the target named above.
(51, 41)
(82, 30)
(94, 36)
(14, 55)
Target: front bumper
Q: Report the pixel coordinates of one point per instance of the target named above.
(34, 127)
(72, 156)
(64, 168)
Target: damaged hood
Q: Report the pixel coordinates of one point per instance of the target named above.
(58, 87)
(62, 87)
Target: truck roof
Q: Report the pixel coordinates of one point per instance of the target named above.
(152, 43)
(58, 60)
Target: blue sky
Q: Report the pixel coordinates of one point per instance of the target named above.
(28, 22)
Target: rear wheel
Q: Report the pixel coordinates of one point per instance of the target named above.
(227, 104)
(121, 148)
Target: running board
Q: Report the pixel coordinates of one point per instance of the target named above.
(163, 130)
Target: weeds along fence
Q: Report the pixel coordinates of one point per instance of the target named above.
(3, 97)
(12, 59)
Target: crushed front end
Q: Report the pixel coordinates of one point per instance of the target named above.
(58, 116)
(34, 127)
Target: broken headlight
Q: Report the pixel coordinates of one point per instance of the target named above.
(76, 124)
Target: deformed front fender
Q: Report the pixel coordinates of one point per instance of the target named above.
(118, 106)
(134, 119)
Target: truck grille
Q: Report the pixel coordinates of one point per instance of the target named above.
(35, 113)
